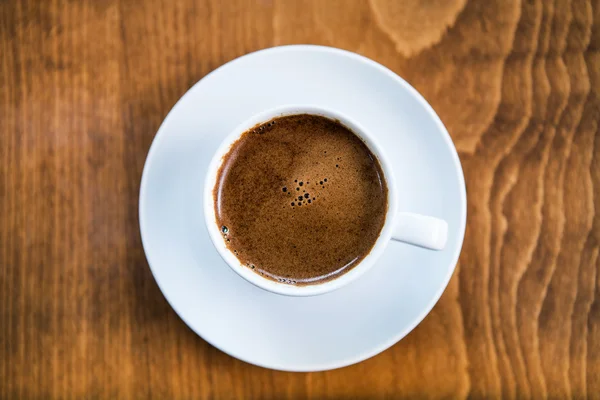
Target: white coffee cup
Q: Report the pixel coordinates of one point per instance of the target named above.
(420, 230)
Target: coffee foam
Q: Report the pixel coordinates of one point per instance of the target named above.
(302, 199)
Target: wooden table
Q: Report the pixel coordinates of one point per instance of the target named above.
(84, 87)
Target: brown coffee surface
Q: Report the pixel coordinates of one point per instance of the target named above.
(300, 199)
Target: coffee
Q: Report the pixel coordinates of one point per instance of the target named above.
(300, 199)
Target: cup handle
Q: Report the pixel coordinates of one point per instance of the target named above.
(421, 230)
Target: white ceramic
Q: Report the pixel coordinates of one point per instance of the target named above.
(425, 231)
(299, 333)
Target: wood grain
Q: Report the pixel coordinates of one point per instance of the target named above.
(84, 86)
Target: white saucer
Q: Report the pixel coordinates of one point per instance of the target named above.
(291, 333)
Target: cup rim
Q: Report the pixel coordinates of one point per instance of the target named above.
(283, 288)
